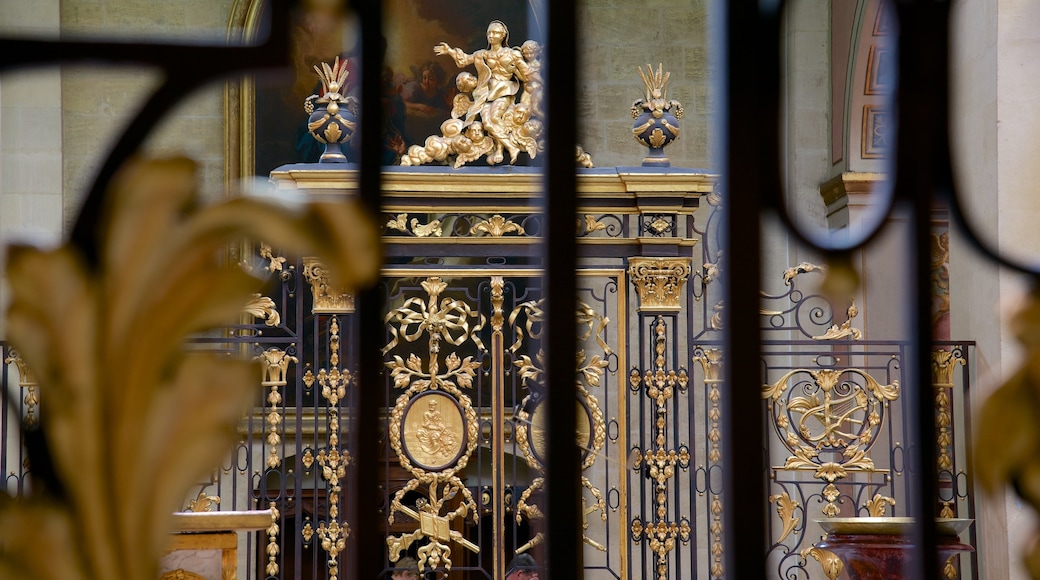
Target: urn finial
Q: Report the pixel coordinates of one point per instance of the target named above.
(656, 118)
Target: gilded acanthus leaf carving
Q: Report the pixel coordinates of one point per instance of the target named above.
(264, 308)
(785, 508)
(154, 428)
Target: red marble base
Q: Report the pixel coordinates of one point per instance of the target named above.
(883, 556)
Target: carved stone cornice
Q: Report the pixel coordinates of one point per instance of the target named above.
(659, 281)
(327, 299)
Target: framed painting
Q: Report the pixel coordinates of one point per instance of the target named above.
(266, 122)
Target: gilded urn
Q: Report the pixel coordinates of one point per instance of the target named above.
(333, 115)
(656, 118)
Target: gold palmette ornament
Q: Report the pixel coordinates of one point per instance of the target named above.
(151, 430)
(1008, 444)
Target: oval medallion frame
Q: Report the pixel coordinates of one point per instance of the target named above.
(432, 432)
(532, 442)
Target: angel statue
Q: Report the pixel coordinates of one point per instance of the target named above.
(503, 99)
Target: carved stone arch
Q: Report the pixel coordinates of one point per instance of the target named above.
(871, 78)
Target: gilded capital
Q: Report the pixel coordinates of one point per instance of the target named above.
(943, 364)
(659, 282)
(711, 362)
(327, 300)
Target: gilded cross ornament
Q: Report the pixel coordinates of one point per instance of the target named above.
(660, 385)
(333, 460)
(433, 426)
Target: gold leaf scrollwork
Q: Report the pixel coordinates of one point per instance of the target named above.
(424, 231)
(434, 438)
(845, 328)
(589, 225)
(829, 414)
(785, 508)
(277, 262)
(202, 503)
(264, 308)
(591, 426)
(829, 561)
(802, 268)
(877, 505)
(399, 223)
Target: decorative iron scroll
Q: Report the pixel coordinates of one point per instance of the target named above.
(829, 424)
(433, 426)
(525, 320)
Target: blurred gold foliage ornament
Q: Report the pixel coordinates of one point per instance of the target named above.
(1008, 443)
(132, 419)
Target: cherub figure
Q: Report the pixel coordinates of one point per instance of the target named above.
(532, 95)
(465, 82)
(472, 145)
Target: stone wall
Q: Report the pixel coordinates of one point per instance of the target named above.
(617, 38)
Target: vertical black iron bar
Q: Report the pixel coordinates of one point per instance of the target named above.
(560, 202)
(922, 173)
(752, 96)
(368, 560)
